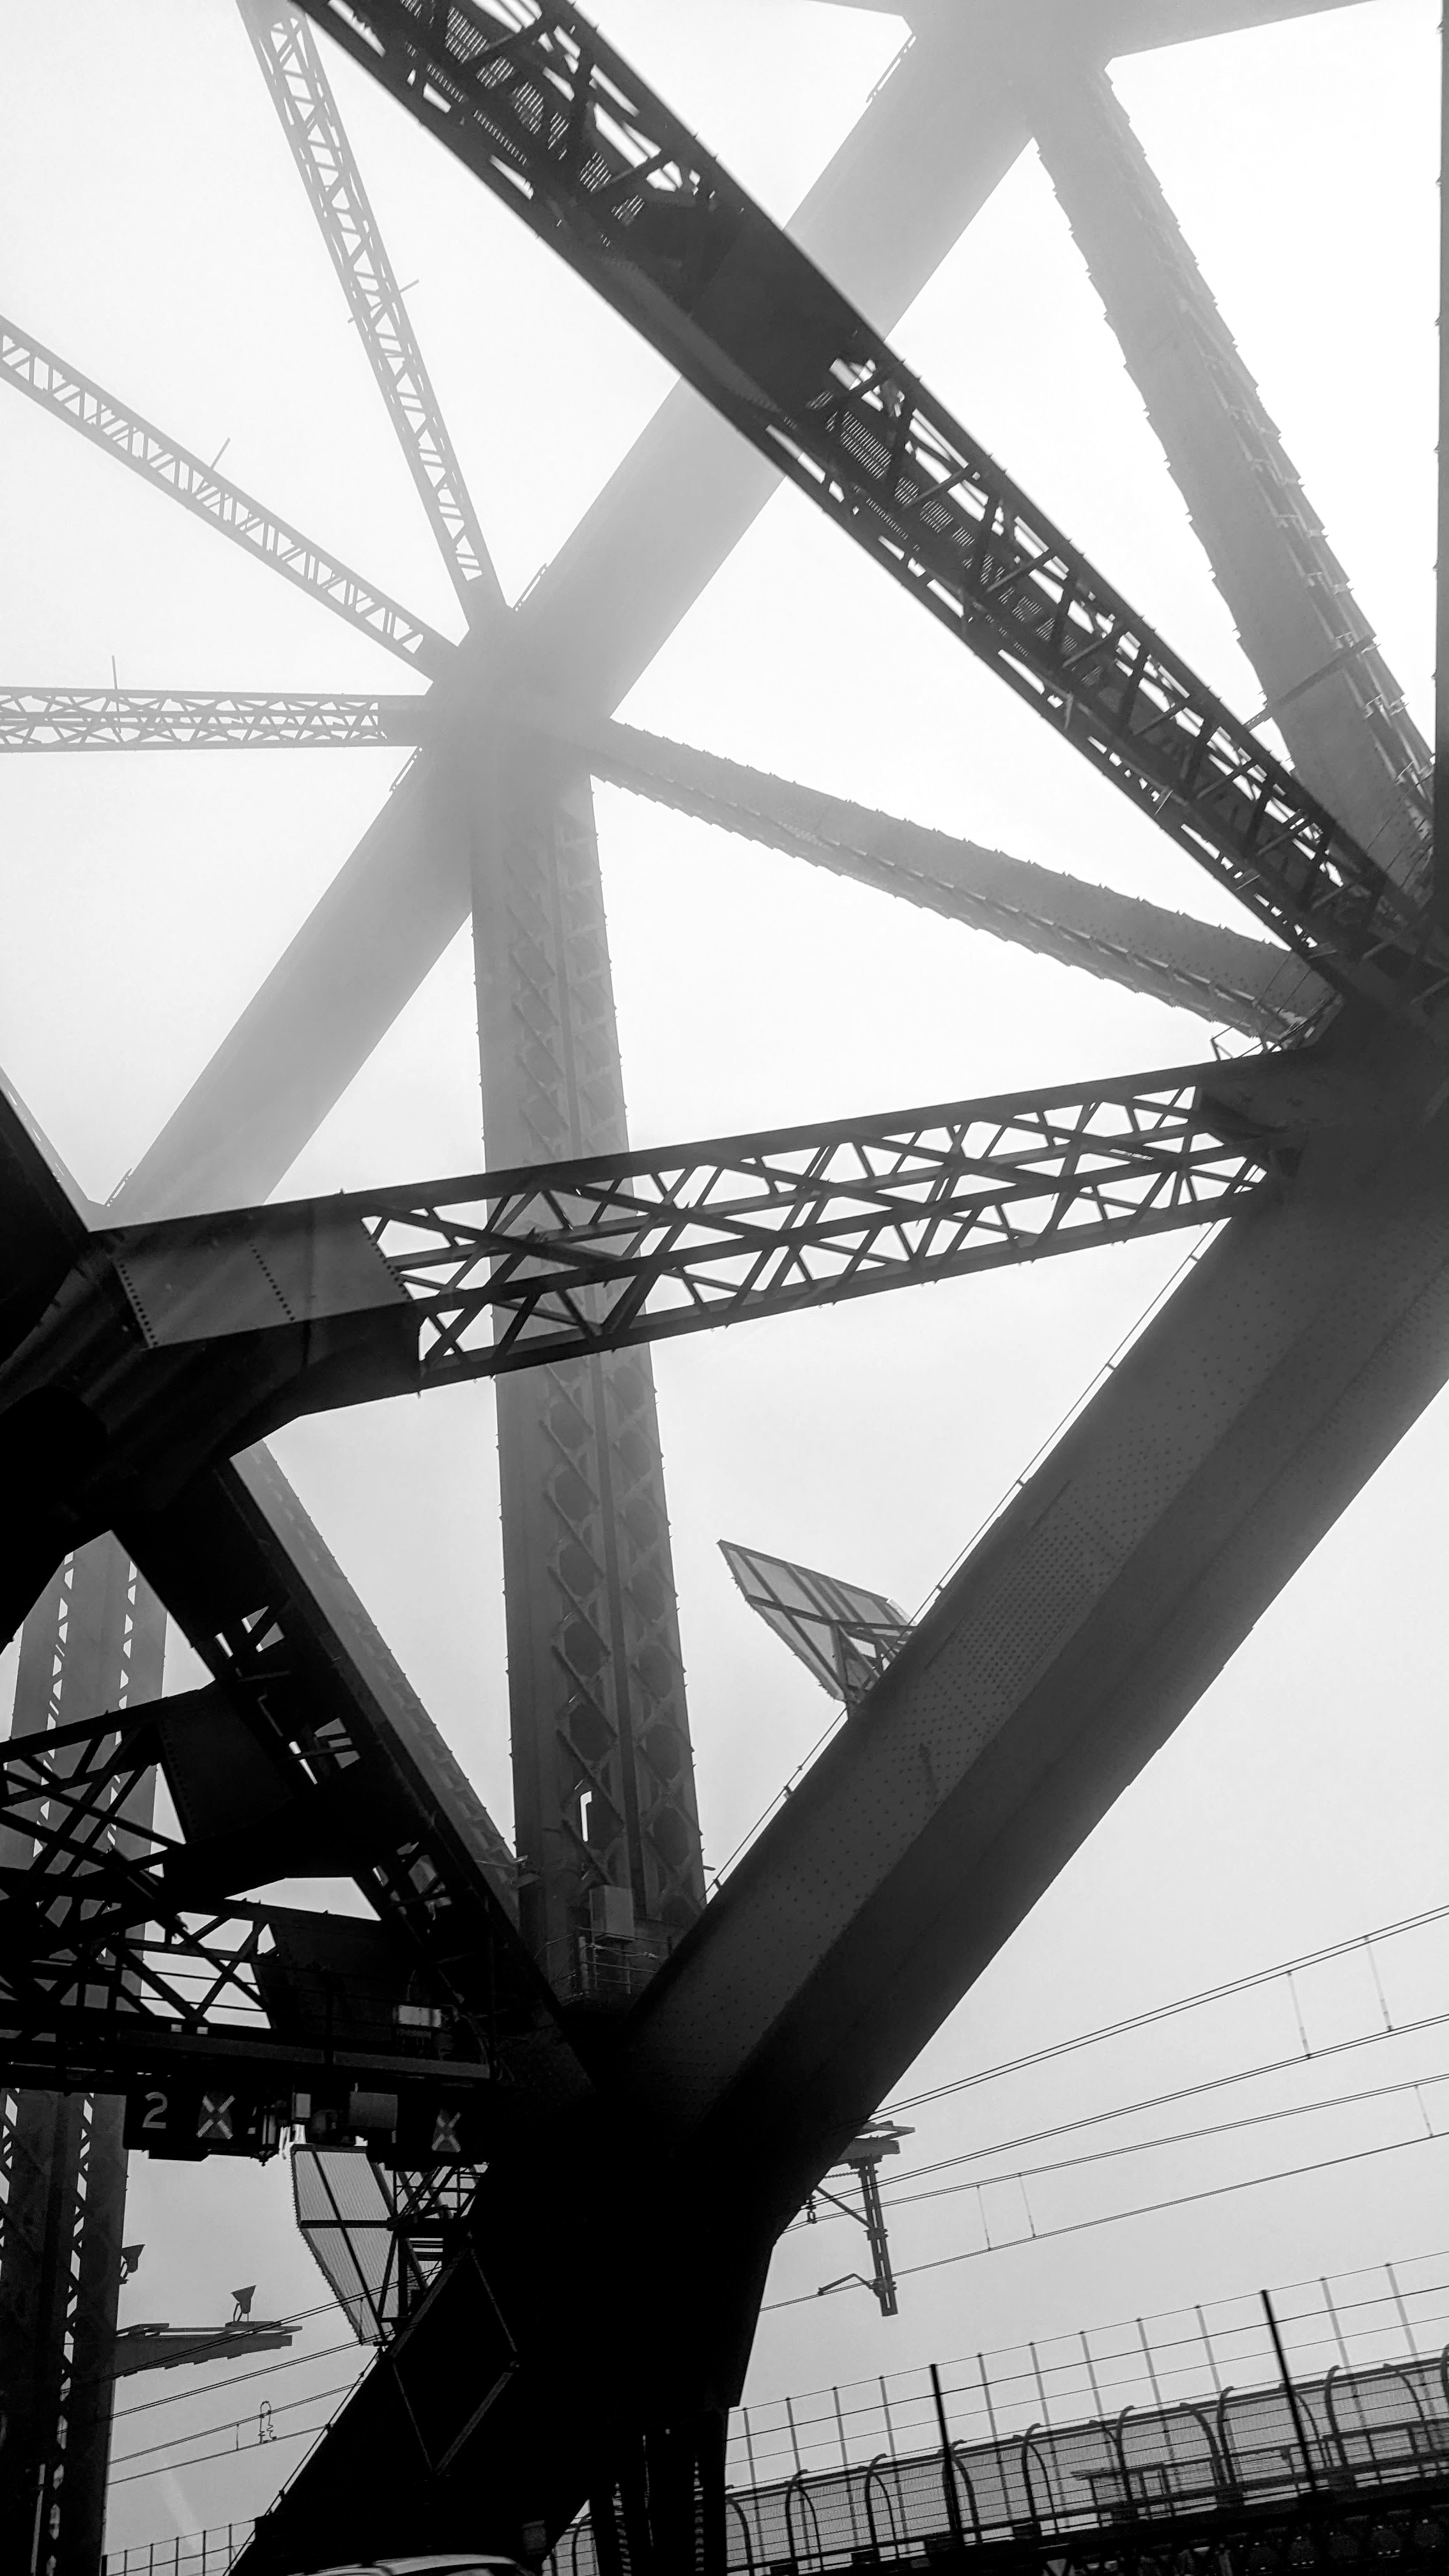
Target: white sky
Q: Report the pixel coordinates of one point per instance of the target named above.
(155, 234)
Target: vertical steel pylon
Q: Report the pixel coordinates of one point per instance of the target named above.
(94, 1640)
(603, 1775)
(602, 1765)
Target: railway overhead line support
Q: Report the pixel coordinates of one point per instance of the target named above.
(143, 1347)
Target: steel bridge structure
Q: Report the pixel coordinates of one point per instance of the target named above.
(145, 1996)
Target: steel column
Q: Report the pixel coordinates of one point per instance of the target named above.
(95, 1639)
(603, 1770)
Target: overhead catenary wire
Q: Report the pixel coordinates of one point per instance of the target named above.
(1113, 2218)
(898, 2197)
(1132, 2146)
(228, 2451)
(1163, 2101)
(234, 2379)
(230, 2424)
(1156, 2013)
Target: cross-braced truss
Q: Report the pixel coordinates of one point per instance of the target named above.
(140, 1353)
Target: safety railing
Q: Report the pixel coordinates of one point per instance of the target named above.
(194, 2553)
(1157, 2415)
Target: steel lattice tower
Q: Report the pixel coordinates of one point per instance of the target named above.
(95, 1639)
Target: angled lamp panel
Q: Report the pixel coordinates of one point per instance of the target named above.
(842, 1633)
(346, 2219)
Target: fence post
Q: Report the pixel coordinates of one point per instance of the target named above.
(840, 2429)
(1403, 2311)
(986, 2393)
(1332, 2314)
(948, 2466)
(1290, 2392)
(885, 2408)
(749, 2446)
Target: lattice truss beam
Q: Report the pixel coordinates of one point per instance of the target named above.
(287, 52)
(329, 1753)
(199, 720)
(101, 1939)
(169, 1346)
(306, 1752)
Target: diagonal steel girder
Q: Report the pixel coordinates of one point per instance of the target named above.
(1240, 983)
(257, 1592)
(1236, 982)
(932, 144)
(302, 95)
(554, 121)
(311, 1682)
(1325, 681)
(168, 467)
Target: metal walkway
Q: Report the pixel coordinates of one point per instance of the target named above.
(1352, 2465)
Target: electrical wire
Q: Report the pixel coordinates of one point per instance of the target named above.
(1358, 1941)
(231, 2424)
(1166, 2012)
(1145, 2146)
(898, 2198)
(891, 2184)
(1112, 2218)
(263, 2370)
(298, 2433)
